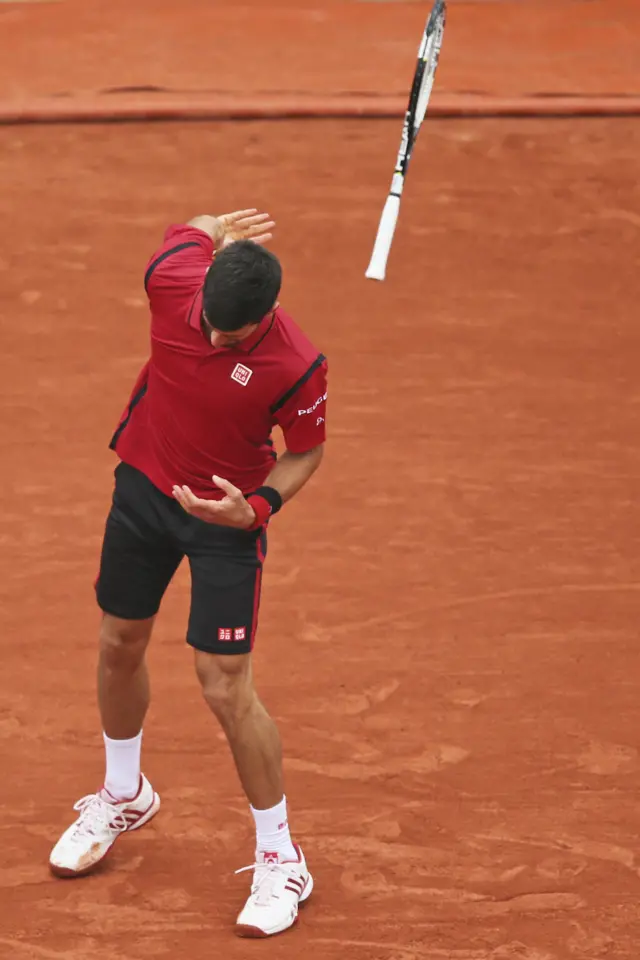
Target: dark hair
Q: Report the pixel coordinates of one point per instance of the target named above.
(241, 285)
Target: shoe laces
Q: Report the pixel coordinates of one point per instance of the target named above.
(266, 878)
(96, 815)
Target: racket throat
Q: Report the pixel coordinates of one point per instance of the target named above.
(397, 184)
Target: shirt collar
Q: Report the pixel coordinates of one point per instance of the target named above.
(246, 345)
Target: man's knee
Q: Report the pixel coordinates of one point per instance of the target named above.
(227, 685)
(123, 642)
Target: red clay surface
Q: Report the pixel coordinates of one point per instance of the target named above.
(449, 635)
(74, 57)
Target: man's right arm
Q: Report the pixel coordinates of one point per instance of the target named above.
(212, 226)
(180, 264)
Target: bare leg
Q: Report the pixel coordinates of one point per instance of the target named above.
(123, 696)
(227, 684)
(255, 743)
(123, 681)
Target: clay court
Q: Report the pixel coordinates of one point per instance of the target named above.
(449, 631)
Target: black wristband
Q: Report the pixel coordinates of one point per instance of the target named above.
(271, 495)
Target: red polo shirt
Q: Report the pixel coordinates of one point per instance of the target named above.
(197, 410)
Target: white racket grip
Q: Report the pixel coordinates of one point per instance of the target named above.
(386, 229)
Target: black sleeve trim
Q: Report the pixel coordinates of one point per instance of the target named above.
(163, 256)
(320, 359)
(134, 403)
(191, 310)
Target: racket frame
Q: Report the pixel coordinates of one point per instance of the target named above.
(414, 116)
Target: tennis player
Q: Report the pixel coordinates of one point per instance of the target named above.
(198, 477)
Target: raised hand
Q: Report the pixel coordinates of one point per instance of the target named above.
(246, 225)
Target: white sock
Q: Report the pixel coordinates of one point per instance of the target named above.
(272, 833)
(122, 779)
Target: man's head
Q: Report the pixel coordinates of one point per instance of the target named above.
(241, 287)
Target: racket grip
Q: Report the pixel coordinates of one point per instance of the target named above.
(386, 229)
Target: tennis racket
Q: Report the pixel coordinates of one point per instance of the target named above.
(421, 88)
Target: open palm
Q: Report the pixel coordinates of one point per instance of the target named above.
(246, 225)
(231, 511)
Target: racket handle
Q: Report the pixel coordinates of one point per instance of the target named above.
(386, 229)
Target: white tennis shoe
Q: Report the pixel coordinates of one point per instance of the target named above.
(276, 893)
(99, 824)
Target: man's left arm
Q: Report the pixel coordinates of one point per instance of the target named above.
(301, 415)
(289, 475)
(293, 470)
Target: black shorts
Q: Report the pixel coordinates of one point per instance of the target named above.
(147, 535)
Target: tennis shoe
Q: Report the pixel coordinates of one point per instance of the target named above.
(277, 891)
(101, 819)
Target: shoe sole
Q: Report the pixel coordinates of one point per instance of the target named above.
(68, 873)
(255, 933)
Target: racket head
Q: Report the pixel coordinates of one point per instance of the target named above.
(432, 44)
(428, 57)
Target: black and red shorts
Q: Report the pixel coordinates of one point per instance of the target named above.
(147, 536)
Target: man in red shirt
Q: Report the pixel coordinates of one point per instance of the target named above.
(198, 477)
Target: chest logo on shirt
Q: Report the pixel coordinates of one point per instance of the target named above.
(241, 374)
